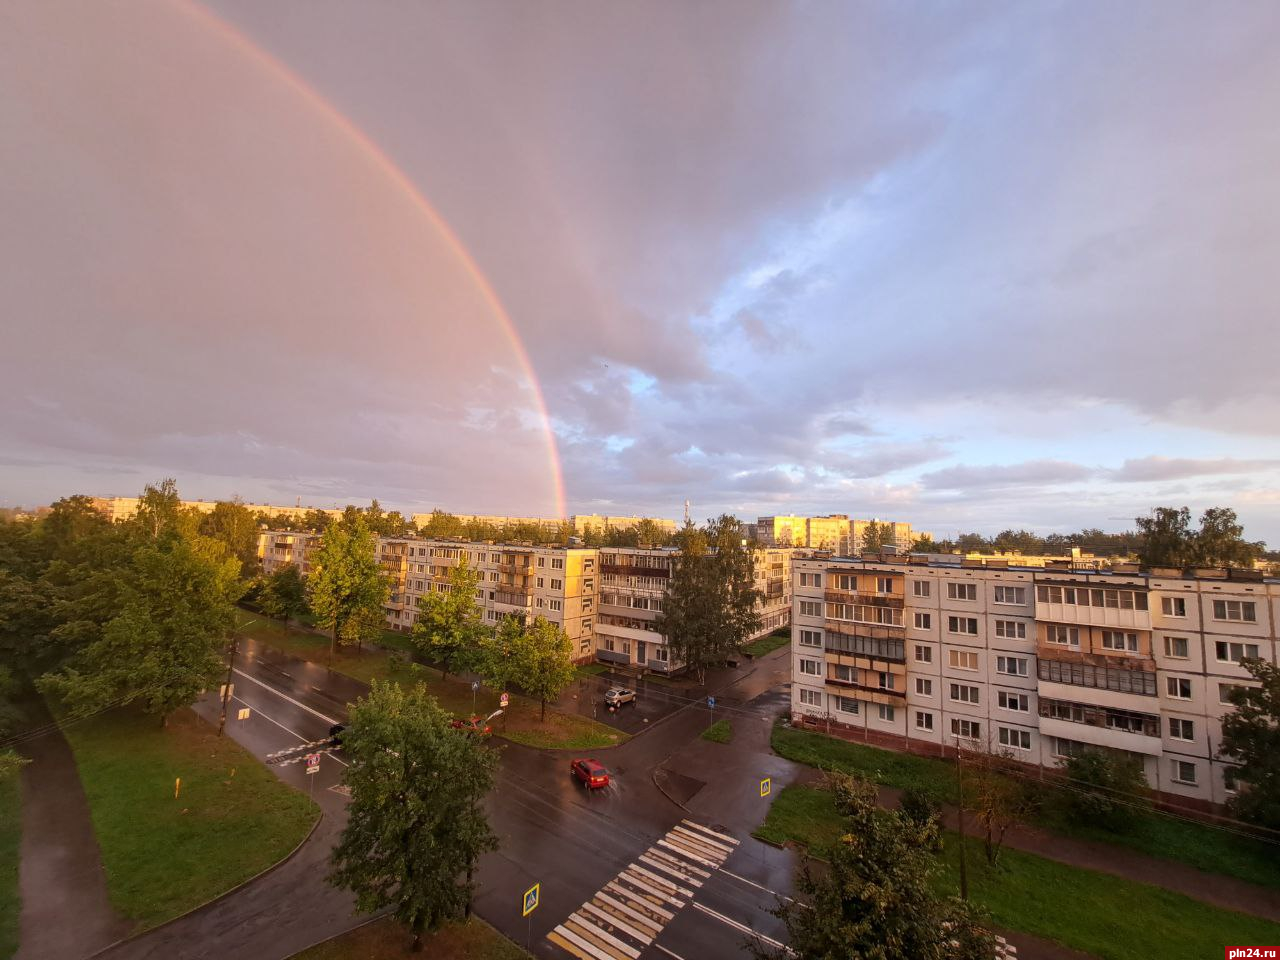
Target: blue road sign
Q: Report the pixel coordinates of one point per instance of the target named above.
(531, 899)
(711, 702)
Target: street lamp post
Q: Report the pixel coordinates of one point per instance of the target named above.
(964, 873)
(231, 665)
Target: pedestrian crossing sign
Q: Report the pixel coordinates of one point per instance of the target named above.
(531, 899)
(766, 785)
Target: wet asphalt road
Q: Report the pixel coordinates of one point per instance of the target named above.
(552, 831)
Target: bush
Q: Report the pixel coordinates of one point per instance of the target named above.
(1107, 790)
(920, 805)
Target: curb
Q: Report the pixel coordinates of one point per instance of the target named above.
(653, 775)
(212, 900)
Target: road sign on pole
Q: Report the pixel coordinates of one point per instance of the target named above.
(504, 698)
(711, 702)
(531, 899)
(313, 763)
(766, 786)
(243, 714)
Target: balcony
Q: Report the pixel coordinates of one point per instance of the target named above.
(511, 599)
(1090, 676)
(888, 649)
(1084, 714)
(864, 599)
(523, 569)
(1065, 653)
(856, 628)
(1101, 736)
(892, 695)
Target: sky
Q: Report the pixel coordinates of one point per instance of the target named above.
(969, 265)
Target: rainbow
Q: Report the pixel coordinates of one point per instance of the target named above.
(400, 179)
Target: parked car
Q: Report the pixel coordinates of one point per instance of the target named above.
(472, 724)
(590, 773)
(617, 696)
(335, 734)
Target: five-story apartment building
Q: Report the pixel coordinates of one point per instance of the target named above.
(1039, 663)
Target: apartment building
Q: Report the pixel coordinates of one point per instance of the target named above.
(834, 532)
(1040, 663)
(605, 599)
(633, 586)
(125, 508)
(580, 522)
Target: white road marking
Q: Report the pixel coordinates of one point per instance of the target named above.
(669, 953)
(687, 868)
(583, 944)
(639, 916)
(724, 837)
(648, 888)
(752, 883)
(661, 881)
(258, 712)
(687, 853)
(285, 696)
(594, 926)
(702, 841)
(659, 865)
(631, 895)
(741, 927)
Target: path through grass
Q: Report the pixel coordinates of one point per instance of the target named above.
(164, 855)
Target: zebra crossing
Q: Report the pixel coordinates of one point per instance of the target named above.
(627, 913)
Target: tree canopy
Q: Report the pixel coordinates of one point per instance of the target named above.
(449, 628)
(543, 658)
(1168, 539)
(416, 822)
(1251, 739)
(346, 587)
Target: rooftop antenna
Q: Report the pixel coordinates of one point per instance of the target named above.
(686, 513)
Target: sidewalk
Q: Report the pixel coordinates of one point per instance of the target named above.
(65, 908)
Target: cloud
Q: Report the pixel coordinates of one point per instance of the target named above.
(1154, 468)
(1033, 473)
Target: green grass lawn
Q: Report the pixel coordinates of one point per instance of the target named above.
(758, 648)
(522, 724)
(591, 669)
(10, 839)
(386, 940)
(718, 732)
(1106, 916)
(164, 856)
(1195, 844)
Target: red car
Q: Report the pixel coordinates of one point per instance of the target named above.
(472, 724)
(590, 772)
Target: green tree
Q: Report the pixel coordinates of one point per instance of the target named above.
(1108, 789)
(284, 593)
(876, 536)
(10, 717)
(926, 544)
(1166, 537)
(543, 661)
(346, 587)
(416, 825)
(497, 662)
(650, 533)
(1018, 541)
(163, 645)
(1220, 541)
(234, 524)
(160, 509)
(877, 895)
(1251, 740)
(317, 521)
(449, 628)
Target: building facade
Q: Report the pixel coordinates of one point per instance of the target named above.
(834, 532)
(605, 599)
(1036, 663)
(125, 508)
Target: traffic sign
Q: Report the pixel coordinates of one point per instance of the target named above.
(503, 700)
(711, 702)
(766, 787)
(475, 685)
(313, 763)
(531, 899)
(226, 690)
(243, 714)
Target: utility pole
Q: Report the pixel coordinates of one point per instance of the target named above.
(231, 665)
(964, 873)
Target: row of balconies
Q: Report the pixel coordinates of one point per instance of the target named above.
(863, 599)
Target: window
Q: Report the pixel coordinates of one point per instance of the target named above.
(1231, 779)
(1173, 606)
(1013, 701)
(1176, 648)
(812, 668)
(1224, 691)
(924, 721)
(1062, 747)
(963, 693)
(923, 654)
(1064, 635)
(968, 729)
(924, 687)
(963, 659)
(884, 584)
(967, 625)
(1184, 771)
(661, 654)
(924, 621)
(555, 605)
(847, 705)
(540, 583)
(1017, 739)
(1234, 652)
(810, 608)
(1011, 629)
(920, 588)
(886, 680)
(810, 638)
(810, 579)
(557, 584)
(1179, 688)
(1244, 610)
(887, 713)
(1118, 640)
(539, 603)
(1013, 666)
(557, 563)
(811, 698)
(542, 561)
(962, 591)
(1011, 595)
(1182, 729)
